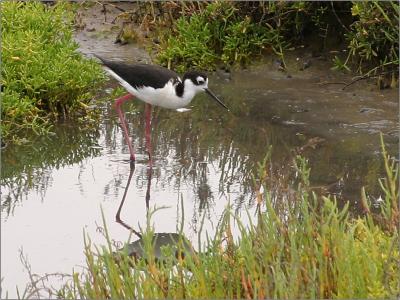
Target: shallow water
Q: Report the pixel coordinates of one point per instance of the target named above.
(54, 188)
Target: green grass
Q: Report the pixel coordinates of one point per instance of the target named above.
(43, 77)
(216, 35)
(207, 35)
(306, 248)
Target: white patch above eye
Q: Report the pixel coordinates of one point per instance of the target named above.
(200, 79)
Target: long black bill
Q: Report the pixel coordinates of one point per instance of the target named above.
(215, 98)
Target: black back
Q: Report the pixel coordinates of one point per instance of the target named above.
(139, 75)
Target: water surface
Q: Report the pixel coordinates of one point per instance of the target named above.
(53, 188)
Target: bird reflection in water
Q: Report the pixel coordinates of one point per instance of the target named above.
(178, 242)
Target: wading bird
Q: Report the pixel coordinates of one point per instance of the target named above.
(157, 86)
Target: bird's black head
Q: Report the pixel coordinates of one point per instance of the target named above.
(196, 77)
(198, 82)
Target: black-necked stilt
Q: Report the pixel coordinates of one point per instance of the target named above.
(157, 86)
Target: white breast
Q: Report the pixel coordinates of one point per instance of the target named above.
(165, 97)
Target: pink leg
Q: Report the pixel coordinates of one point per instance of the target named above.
(118, 215)
(118, 104)
(149, 175)
(148, 131)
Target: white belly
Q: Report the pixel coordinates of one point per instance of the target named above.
(165, 97)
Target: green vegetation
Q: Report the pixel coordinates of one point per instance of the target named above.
(306, 248)
(43, 77)
(217, 33)
(374, 38)
(226, 33)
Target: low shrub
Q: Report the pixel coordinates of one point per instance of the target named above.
(218, 34)
(209, 34)
(374, 36)
(43, 77)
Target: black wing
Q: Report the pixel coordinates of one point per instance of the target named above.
(139, 75)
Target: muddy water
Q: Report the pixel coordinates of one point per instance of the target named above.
(54, 188)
